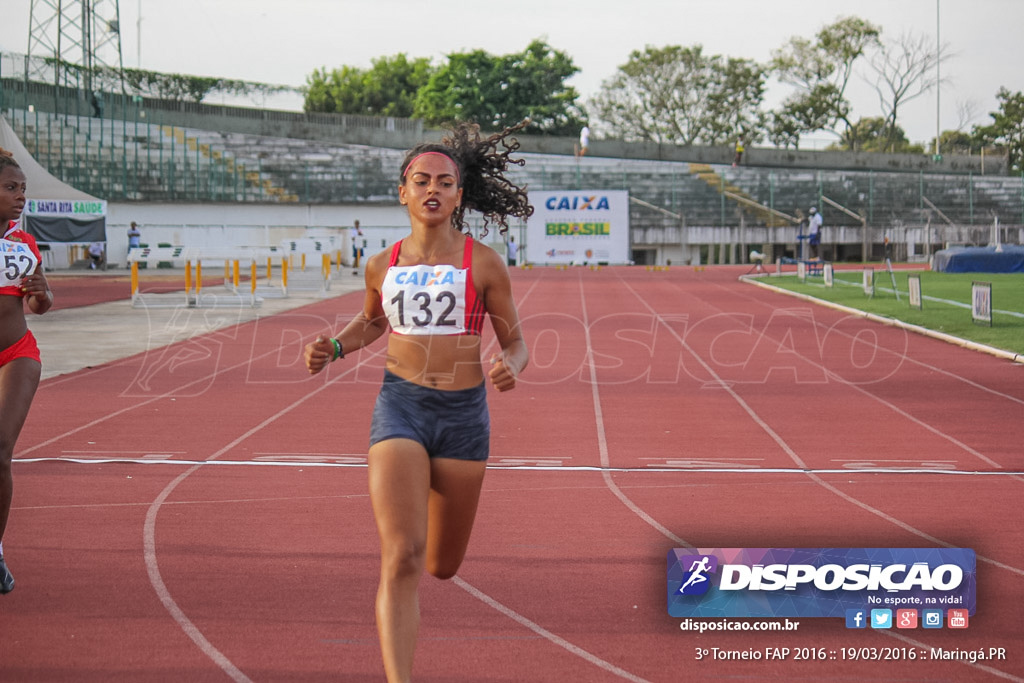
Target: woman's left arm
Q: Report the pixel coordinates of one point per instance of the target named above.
(501, 309)
(37, 292)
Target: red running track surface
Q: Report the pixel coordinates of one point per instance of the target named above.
(200, 513)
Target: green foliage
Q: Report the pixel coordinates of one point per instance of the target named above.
(162, 85)
(387, 88)
(500, 91)
(679, 95)
(874, 134)
(820, 70)
(1007, 127)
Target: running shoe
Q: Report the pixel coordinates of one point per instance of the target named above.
(6, 580)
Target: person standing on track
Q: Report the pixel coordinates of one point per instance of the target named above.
(23, 282)
(430, 433)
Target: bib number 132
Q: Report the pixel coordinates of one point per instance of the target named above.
(425, 310)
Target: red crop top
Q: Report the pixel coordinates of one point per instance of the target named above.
(20, 259)
(427, 299)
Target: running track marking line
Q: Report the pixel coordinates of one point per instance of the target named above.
(546, 468)
(792, 454)
(879, 399)
(179, 616)
(544, 633)
(602, 441)
(537, 628)
(226, 665)
(149, 539)
(799, 461)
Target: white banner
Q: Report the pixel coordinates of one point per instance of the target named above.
(66, 207)
(578, 226)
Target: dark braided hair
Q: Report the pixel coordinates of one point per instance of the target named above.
(481, 173)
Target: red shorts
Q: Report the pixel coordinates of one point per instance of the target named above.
(25, 347)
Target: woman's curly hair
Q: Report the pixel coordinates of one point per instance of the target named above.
(481, 168)
(7, 159)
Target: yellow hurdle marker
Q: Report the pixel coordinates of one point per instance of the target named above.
(234, 274)
(199, 277)
(303, 262)
(135, 278)
(252, 281)
(284, 275)
(270, 270)
(188, 277)
(325, 266)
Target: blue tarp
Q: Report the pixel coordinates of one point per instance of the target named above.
(1009, 259)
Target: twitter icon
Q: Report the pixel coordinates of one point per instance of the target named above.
(881, 618)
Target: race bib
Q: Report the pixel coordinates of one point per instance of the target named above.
(18, 262)
(425, 299)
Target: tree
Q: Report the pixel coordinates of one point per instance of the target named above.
(387, 88)
(905, 68)
(502, 91)
(874, 134)
(1007, 127)
(679, 95)
(821, 71)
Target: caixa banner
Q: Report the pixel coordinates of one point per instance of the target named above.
(817, 582)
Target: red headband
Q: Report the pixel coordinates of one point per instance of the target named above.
(458, 178)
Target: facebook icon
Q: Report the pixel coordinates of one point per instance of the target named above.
(856, 618)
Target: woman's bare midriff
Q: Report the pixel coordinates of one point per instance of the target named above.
(12, 320)
(446, 362)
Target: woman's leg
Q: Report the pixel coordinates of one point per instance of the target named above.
(399, 474)
(18, 382)
(424, 508)
(454, 494)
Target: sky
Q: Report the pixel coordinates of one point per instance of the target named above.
(278, 42)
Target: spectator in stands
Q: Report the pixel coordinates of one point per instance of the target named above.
(21, 285)
(581, 149)
(738, 159)
(513, 251)
(430, 433)
(814, 232)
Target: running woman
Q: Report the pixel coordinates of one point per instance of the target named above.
(430, 433)
(21, 283)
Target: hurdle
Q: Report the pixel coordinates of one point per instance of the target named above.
(268, 256)
(303, 251)
(232, 258)
(178, 257)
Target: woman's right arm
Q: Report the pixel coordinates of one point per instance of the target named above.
(368, 325)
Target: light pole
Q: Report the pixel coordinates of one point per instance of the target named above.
(938, 80)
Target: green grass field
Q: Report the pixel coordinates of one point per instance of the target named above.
(946, 299)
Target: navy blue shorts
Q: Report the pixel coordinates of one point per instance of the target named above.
(448, 424)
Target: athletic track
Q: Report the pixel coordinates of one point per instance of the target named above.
(199, 512)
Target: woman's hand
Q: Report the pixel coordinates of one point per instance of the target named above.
(318, 354)
(502, 376)
(37, 290)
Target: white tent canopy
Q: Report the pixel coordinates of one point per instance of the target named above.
(55, 211)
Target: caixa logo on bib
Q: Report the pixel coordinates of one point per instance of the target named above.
(817, 582)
